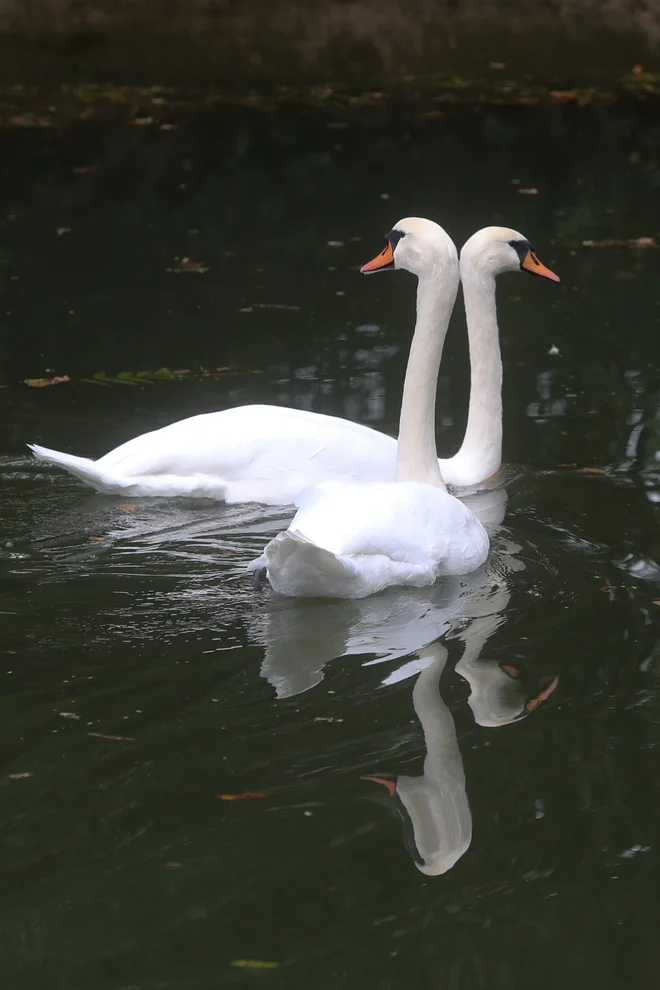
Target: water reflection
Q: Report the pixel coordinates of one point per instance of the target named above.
(434, 806)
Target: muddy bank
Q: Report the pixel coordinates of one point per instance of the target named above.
(359, 42)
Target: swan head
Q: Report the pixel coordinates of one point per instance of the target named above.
(501, 249)
(418, 245)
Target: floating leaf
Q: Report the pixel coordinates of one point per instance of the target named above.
(608, 589)
(254, 963)
(104, 735)
(528, 192)
(634, 242)
(275, 306)
(96, 539)
(142, 121)
(19, 776)
(245, 796)
(128, 508)
(593, 470)
(62, 230)
(83, 169)
(335, 243)
(43, 382)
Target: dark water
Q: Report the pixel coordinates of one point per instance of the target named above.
(121, 868)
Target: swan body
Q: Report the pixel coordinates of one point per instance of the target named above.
(350, 541)
(357, 539)
(265, 454)
(271, 454)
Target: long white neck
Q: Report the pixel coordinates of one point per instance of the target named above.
(480, 454)
(417, 458)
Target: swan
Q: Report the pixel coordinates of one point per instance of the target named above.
(270, 454)
(351, 540)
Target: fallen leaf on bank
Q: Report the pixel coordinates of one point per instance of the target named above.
(62, 230)
(19, 776)
(43, 382)
(528, 192)
(245, 796)
(254, 963)
(83, 169)
(105, 735)
(30, 120)
(128, 508)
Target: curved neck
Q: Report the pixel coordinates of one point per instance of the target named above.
(417, 458)
(481, 451)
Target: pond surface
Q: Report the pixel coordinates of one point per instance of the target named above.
(515, 714)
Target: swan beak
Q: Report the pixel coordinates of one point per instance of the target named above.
(384, 262)
(389, 784)
(543, 696)
(532, 264)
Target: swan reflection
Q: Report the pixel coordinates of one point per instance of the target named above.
(301, 636)
(434, 806)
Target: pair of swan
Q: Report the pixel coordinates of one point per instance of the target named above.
(353, 539)
(350, 538)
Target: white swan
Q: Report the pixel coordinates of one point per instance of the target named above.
(352, 540)
(270, 454)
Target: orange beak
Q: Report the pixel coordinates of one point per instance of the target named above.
(389, 784)
(543, 696)
(384, 261)
(533, 265)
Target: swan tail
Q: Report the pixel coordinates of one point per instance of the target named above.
(82, 468)
(298, 568)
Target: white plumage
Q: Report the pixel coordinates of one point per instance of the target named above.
(350, 541)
